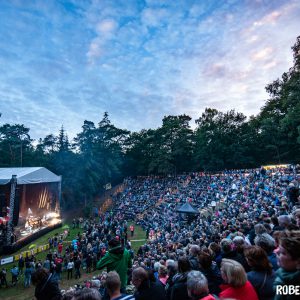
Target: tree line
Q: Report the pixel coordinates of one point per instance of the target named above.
(103, 153)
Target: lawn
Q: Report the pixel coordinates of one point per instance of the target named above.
(21, 293)
(139, 237)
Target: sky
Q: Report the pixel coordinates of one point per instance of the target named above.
(63, 62)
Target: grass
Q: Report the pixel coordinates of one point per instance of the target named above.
(20, 293)
(139, 238)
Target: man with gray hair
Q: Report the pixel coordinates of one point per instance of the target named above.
(267, 243)
(197, 286)
(284, 221)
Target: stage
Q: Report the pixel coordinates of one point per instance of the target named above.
(28, 239)
(29, 205)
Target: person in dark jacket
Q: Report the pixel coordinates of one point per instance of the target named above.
(211, 271)
(193, 258)
(146, 289)
(268, 245)
(262, 275)
(179, 288)
(172, 270)
(45, 287)
(288, 257)
(228, 251)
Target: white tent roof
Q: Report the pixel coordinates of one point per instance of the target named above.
(28, 175)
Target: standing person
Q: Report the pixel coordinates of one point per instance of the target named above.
(21, 264)
(113, 286)
(58, 269)
(60, 248)
(77, 265)
(46, 288)
(70, 267)
(14, 275)
(262, 275)
(89, 263)
(116, 259)
(179, 288)
(3, 280)
(197, 286)
(236, 284)
(288, 257)
(131, 230)
(146, 289)
(27, 274)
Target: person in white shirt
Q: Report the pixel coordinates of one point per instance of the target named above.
(70, 267)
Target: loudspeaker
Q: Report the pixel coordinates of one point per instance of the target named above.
(2, 204)
(16, 207)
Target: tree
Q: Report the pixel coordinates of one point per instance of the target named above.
(15, 141)
(280, 116)
(221, 140)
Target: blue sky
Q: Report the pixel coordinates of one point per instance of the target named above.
(63, 62)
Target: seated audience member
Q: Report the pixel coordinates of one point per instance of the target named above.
(113, 286)
(236, 284)
(288, 256)
(146, 289)
(197, 286)
(262, 275)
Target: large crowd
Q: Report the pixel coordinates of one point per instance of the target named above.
(244, 242)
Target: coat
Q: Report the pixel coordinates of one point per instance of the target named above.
(286, 278)
(149, 290)
(263, 284)
(245, 292)
(117, 259)
(179, 288)
(48, 290)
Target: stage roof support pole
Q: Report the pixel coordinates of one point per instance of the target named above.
(13, 184)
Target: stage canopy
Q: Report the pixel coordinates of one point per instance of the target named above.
(28, 175)
(187, 209)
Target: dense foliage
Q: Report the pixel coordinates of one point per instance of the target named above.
(222, 140)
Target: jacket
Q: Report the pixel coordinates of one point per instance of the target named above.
(286, 278)
(149, 290)
(263, 284)
(179, 288)
(214, 278)
(48, 290)
(245, 292)
(117, 259)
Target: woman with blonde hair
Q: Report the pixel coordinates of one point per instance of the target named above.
(236, 284)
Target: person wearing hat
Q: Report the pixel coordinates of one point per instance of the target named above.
(116, 259)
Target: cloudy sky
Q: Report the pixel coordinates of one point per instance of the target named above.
(66, 61)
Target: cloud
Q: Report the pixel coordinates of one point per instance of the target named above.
(262, 54)
(62, 64)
